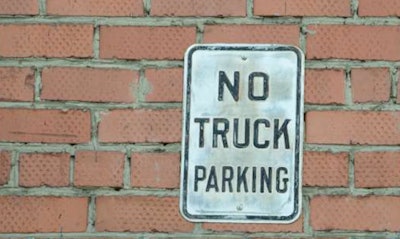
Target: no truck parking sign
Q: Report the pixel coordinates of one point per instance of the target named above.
(242, 133)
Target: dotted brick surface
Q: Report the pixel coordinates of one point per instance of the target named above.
(145, 42)
(89, 84)
(198, 8)
(96, 168)
(302, 8)
(49, 126)
(325, 169)
(140, 214)
(324, 87)
(155, 170)
(141, 125)
(378, 8)
(353, 127)
(16, 84)
(371, 213)
(377, 169)
(16, 7)
(5, 167)
(284, 34)
(165, 85)
(44, 169)
(43, 214)
(38, 40)
(370, 85)
(353, 42)
(95, 7)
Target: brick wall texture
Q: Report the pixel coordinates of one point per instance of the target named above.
(91, 114)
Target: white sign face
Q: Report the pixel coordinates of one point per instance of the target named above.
(242, 133)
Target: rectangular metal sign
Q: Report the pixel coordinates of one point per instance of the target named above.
(242, 133)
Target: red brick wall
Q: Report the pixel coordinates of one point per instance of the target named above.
(90, 114)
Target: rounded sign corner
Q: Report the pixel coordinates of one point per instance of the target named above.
(185, 214)
(294, 216)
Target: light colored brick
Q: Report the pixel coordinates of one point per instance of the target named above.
(378, 8)
(370, 85)
(165, 85)
(99, 168)
(42, 214)
(324, 169)
(44, 169)
(269, 8)
(95, 7)
(16, 84)
(302, 8)
(283, 34)
(370, 213)
(198, 8)
(141, 125)
(353, 42)
(377, 169)
(353, 127)
(44, 126)
(140, 42)
(39, 40)
(140, 214)
(155, 170)
(324, 87)
(89, 84)
(19, 7)
(5, 167)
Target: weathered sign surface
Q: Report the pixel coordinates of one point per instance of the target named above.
(242, 133)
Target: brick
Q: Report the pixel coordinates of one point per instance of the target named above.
(16, 84)
(324, 87)
(198, 8)
(269, 8)
(165, 85)
(302, 8)
(42, 214)
(141, 126)
(96, 168)
(95, 7)
(155, 170)
(377, 169)
(44, 169)
(5, 167)
(296, 226)
(39, 40)
(324, 169)
(139, 42)
(19, 7)
(44, 126)
(370, 85)
(353, 127)
(140, 214)
(353, 42)
(89, 84)
(283, 34)
(378, 8)
(370, 213)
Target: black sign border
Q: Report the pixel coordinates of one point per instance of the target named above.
(299, 101)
